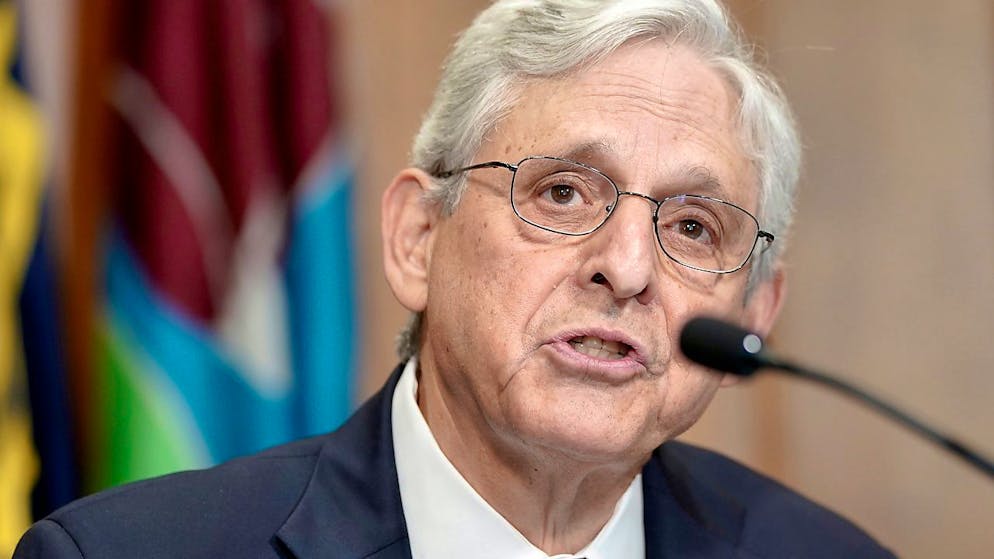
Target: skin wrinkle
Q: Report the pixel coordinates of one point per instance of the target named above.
(668, 103)
(549, 444)
(662, 103)
(687, 131)
(672, 108)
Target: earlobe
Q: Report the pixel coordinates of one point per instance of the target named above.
(729, 380)
(408, 221)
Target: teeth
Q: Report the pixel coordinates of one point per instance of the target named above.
(592, 342)
(596, 347)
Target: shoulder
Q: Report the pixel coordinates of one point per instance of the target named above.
(770, 519)
(220, 511)
(256, 506)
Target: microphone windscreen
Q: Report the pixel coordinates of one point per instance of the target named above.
(721, 346)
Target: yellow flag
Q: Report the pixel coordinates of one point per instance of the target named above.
(20, 200)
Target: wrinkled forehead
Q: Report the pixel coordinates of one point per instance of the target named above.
(649, 113)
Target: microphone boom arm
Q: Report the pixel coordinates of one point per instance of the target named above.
(725, 347)
(949, 443)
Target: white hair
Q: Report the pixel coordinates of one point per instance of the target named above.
(517, 41)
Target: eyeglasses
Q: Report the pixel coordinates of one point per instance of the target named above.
(571, 198)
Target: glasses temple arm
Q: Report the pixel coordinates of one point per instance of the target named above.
(488, 164)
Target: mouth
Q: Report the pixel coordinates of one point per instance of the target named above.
(599, 354)
(592, 346)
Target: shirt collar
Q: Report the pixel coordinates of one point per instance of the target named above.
(446, 517)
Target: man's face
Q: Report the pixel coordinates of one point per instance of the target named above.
(507, 302)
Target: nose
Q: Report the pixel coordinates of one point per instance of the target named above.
(622, 253)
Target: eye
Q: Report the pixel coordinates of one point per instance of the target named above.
(563, 190)
(693, 229)
(562, 194)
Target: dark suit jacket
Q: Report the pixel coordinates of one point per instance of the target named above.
(336, 496)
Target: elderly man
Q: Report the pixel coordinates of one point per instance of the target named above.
(591, 175)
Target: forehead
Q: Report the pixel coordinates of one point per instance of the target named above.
(650, 115)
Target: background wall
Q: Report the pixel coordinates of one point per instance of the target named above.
(891, 265)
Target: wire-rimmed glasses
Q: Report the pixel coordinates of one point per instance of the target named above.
(572, 198)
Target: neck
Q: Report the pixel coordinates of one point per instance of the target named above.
(557, 501)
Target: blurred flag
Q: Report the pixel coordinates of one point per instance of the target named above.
(227, 322)
(42, 72)
(44, 358)
(20, 202)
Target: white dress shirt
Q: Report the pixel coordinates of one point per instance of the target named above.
(447, 518)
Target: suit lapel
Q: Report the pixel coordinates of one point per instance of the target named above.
(351, 508)
(683, 517)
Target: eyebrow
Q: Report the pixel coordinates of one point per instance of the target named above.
(699, 179)
(690, 179)
(586, 151)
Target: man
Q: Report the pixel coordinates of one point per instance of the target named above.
(591, 175)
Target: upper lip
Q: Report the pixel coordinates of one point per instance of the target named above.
(638, 352)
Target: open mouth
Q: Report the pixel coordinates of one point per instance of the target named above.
(600, 348)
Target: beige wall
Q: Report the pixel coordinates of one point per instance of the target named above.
(891, 265)
(393, 50)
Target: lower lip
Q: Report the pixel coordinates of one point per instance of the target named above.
(607, 370)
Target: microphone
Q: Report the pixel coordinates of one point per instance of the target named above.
(728, 348)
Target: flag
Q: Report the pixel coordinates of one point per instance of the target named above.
(20, 201)
(41, 51)
(225, 265)
(44, 359)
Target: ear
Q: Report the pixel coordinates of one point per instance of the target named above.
(764, 303)
(762, 309)
(408, 221)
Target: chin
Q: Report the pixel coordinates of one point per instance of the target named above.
(586, 436)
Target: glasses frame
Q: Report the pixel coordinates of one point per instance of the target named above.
(618, 193)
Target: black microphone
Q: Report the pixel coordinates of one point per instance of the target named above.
(728, 348)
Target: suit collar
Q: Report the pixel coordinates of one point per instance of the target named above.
(351, 507)
(683, 516)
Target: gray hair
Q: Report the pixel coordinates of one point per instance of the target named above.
(515, 41)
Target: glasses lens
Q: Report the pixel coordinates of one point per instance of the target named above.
(561, 196)
(705, 233)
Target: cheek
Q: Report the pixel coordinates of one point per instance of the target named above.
(690, 391)
(501, 259)
(474, 278)
(723, 297)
